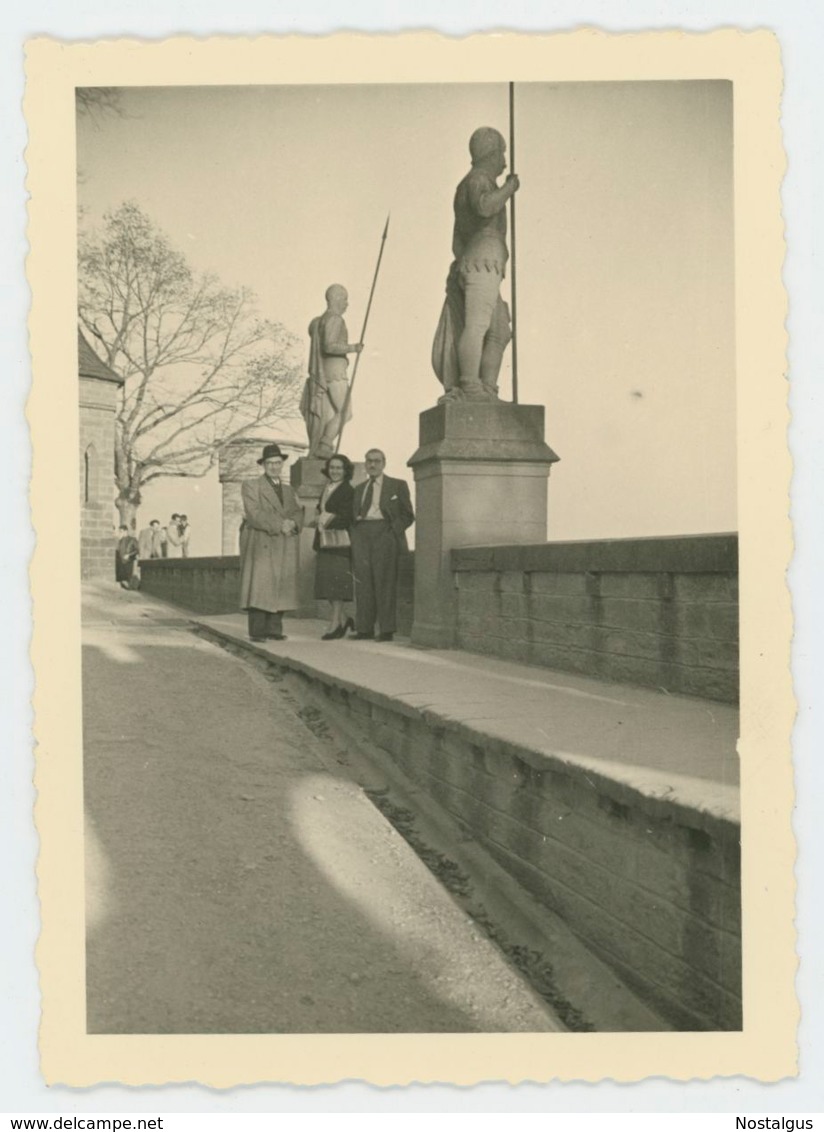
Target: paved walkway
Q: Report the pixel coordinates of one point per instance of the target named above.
(239, 883)
(665, 746)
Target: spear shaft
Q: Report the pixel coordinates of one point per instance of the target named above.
(513, 294)
(348, 397)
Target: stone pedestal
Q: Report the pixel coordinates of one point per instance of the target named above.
(481, 474)
(306, 478)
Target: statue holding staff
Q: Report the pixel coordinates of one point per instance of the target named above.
(325, 404)
(474, 328)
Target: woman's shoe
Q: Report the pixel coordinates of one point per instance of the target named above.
(349, 625)
(335, 634)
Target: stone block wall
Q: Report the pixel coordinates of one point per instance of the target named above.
(649, 884)
(406, 594)
(96, 473)
(660, 612)
(212, 585)
(203, 585)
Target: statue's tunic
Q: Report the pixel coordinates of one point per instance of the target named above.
(328, 339)
(479, 234)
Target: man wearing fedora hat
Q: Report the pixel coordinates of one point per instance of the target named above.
(269, 548)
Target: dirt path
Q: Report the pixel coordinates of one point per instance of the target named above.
(239, 884)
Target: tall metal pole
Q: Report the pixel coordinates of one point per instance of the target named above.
(512, 273)
(348, 396)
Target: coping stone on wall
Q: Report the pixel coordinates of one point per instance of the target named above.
(679, 554)
(216, 562)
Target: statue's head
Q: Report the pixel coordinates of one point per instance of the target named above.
(487, 147)
(337, 298)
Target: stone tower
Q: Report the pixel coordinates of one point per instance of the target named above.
(99, 387)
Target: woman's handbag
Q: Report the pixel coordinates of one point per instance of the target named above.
(330, 540)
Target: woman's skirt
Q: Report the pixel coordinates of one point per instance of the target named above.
(333, 574)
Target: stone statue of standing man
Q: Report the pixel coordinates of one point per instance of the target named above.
(324, 404)
(474, 328)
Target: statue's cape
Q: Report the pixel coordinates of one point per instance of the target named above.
(450, 327)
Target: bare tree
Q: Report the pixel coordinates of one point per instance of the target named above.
(96, 102)
(201, 367)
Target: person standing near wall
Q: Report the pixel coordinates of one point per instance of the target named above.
(173, 548)
(333, 562)
(185, 533)
(382, 513)
(272, 519)
(150, 541)
(126, 557)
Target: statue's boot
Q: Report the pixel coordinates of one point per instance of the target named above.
(326, 444)
(495, 343)
(473, 390)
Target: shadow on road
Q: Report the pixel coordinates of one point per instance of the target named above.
(235, 885)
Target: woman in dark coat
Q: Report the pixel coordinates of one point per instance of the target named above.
(333, 564)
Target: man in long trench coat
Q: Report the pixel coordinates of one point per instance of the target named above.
(269, 548)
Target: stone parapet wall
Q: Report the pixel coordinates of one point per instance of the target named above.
(203, 585)
(646, 875)
(658, 612)
(212, 585)
(653, 888)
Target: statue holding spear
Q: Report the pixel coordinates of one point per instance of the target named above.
(474, 328)
(326, 404)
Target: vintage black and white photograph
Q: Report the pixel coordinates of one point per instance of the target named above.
(408, 537)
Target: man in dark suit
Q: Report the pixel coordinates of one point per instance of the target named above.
(383, 511)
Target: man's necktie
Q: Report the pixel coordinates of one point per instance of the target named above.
(368, 495)
(278, 490)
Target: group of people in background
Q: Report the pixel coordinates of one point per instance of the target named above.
(154, 541)
(360, 533)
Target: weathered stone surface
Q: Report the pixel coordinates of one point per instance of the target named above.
(687, 554)
(481, 478)
(212, 585)
(677, 631)
(649, 880)
(98, 401)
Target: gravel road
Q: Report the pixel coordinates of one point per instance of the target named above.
(239, 883)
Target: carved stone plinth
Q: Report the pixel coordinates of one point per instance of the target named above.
(481, 474)
(306, 478)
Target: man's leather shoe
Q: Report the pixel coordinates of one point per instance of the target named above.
(385, 637)
(362, 637)
(258, 640)
(276, 637)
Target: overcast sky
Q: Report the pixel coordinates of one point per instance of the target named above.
(624, 263)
